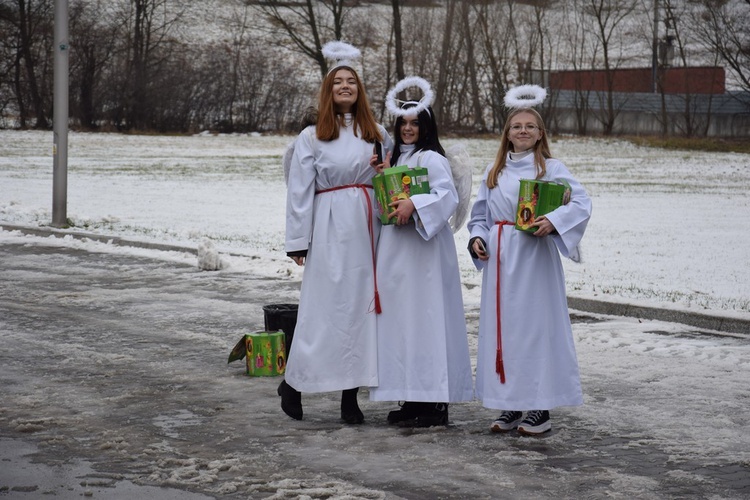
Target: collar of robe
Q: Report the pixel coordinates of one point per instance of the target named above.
(517, 156)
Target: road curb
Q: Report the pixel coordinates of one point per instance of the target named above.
(717, 323)
(114, 240)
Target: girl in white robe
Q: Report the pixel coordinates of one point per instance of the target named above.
(423, 353)
(331, 229)
(527, 359)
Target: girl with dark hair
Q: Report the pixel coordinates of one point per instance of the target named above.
(423, 352)
(427, 139)
(331, 229)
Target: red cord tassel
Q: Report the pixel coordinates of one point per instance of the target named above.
(378, 309)
(499, 368)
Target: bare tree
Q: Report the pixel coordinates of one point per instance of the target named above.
(95, 42)
(419, 28)
(538, 37)
(457, 95)
(31, 30)
(477, 119)
(399, 49)
(723, 28)
(525, 39)
(271, 97)
(7, 62)
(693, 123)
(131, 66)
(149, 48)
(579, 49)
(444, 65)
(608, 16)
(238, 30)
(495, 29)
(544, 34)
(309, 24)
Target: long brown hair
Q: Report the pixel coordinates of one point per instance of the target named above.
(541, 148)
(329, 120)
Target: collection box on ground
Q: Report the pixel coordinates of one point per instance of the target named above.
(537, 198)
(398, 183)
(265, 353)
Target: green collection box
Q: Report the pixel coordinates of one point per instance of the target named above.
(398, 183)
(265, 353)
(537, 198)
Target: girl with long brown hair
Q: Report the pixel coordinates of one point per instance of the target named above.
(331, 229)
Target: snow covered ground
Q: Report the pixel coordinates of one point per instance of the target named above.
(668, 228)
(113, 371)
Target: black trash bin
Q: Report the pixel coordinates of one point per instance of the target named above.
(281, 317)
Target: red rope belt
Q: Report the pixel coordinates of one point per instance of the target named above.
(370, 229)
(499, 368)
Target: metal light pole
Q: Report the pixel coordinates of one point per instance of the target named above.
(60, 118)
(655, 50)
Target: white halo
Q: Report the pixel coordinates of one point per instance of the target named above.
(342, 53)
(410, 81)
(532, 95)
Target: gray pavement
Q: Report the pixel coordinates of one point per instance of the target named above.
(114, 384)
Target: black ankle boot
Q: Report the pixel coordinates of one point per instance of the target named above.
(433, 414)
(291, 400)
(408, 411)
(350, 412)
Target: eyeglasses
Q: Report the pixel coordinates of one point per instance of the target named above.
(530, 127)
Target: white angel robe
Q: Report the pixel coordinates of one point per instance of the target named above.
(335, 345)
(538, 351)
(423, 352)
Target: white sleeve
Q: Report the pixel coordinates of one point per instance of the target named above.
(478, 225)
(434, 210)
(300, 194)
(570, 220)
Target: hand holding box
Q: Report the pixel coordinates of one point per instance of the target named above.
(398, 183)
(537, 198)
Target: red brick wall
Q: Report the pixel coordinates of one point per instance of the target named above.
(698, 80)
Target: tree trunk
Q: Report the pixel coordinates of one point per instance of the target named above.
(478, 110)
(400, 75)
(444, 69)
(26, 42)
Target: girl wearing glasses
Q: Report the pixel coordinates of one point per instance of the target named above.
(526, 360)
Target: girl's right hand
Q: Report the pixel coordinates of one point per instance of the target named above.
(479, 249)
(379, 167)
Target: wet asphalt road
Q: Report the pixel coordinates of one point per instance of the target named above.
(114, 384)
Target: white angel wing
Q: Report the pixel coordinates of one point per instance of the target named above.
(286, 160)
(460, 163)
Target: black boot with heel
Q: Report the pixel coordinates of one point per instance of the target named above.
(291, 400)
(350, 412)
